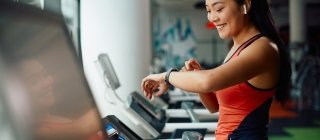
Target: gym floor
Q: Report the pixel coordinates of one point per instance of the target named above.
(290, 124)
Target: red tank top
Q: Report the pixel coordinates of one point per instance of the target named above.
(237, 104)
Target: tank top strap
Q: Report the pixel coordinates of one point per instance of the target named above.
(247, 43)
(243, 46)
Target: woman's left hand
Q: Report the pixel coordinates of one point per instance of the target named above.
(154, 84)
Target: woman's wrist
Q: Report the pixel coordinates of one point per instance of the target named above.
(163, 77)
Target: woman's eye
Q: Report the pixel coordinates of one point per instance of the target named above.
(219, 10)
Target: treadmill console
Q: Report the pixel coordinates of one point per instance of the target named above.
(156, 117)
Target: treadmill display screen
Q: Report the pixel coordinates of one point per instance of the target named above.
(116, 130)
(113, 134)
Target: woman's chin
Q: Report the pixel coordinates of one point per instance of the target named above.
(223, 36)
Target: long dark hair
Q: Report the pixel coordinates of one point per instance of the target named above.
(260, 15)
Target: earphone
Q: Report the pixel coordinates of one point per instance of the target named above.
(245, 9)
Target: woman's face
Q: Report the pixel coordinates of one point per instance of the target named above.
(226, 15)
(38, 82)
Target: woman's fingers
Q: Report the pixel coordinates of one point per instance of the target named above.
(183, 69)
(194, 64)
(146, 83)
(144, 86)
(153, 84)
(160, 92)
(190, 65)
(162, 88)
(149, 87)
(155, 88)
(187, 65)
(149, 96)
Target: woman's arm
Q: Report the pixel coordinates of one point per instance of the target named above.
(253, 61)
(209, 100)
(259, 58)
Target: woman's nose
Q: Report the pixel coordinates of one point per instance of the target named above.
(213, 18)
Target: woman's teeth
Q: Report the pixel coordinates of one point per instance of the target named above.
(220, 26)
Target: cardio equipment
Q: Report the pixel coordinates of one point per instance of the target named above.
(153, 119)
(39, 41)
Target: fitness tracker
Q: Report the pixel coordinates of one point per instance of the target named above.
(166, 78)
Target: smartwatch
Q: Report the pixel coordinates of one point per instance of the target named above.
(166, 78)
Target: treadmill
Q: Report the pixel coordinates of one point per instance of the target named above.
(42, 83)
(153, 120)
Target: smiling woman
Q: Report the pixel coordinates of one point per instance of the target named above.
(255, 70)
(226, 15)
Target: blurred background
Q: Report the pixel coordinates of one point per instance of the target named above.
(151, 36)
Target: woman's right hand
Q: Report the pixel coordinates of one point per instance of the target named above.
(209, 100)
(191, 65)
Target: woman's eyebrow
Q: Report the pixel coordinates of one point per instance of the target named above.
(215, 3)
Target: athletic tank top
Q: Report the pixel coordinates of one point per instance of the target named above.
(243, 108)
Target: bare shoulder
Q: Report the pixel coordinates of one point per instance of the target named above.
(262, 48)
(266, 43)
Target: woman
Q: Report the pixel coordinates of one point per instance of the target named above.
(255, 70)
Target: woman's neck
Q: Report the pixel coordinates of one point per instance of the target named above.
(245, 34)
